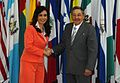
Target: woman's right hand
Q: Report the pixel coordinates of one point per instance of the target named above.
(47, 51)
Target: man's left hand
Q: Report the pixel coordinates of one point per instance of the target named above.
(87, 72)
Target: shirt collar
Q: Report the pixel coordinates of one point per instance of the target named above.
(77, 26)
(37, 25)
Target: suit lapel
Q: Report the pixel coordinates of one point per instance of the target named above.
(70, 32)
(79, 32)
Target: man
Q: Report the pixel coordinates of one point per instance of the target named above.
(80, 44)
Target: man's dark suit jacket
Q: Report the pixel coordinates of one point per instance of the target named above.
(82, 53)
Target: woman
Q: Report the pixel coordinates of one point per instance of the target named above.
(35, 41)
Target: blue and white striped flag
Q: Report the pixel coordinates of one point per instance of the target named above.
(13, 40)
(64, 19)
(99, 22)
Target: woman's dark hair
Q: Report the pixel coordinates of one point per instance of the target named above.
(38, 10)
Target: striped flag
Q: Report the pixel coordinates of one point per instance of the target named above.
(99, 22)
(109, 29)
(13, 40)
(64, 19)
(117, 68)
(22, 22)
(4, 64)
(96, 22)
(86, 6)
(30, 8)
(113, 79)
(102, 63)
(59, 16)
(53, 40)
(76, 2)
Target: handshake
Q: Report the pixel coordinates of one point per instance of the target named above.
(48, 51)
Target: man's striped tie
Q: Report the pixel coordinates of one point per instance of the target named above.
(73, 34)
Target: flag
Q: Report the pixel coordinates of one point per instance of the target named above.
(22, 23)
(117, 71)
(53, 39)
(95, 20)
(4, 64)
(98, 16)
(109, 30)
(86, 6)
(64, 19)
(102, 63)
(41, 2)
(95, 14)
(118, 38)
(30, 8)
(76, 3)
(13, 40)
(117, 66)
